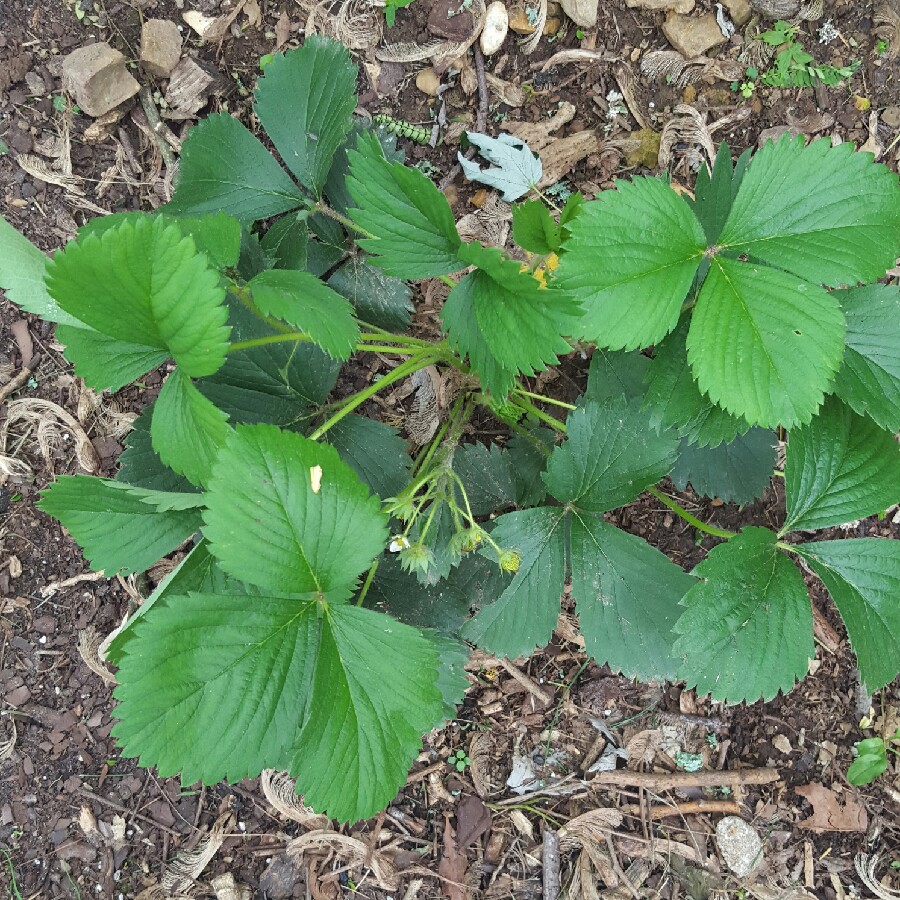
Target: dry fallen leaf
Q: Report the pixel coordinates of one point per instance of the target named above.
(829, 814)
(452, 867)
(19, 330)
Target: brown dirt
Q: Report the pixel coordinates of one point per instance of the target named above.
(64, 758)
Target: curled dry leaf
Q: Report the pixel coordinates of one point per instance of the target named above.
(866, 867)
(677, 70)
(186, 868)
(480, 757)
(589, 828)
(887, 18)
(89, 641)
(212, 29)
(15, 567)
(350, 852)
(560, 157)
(687, 126)
(281, 792)
(829, 814)
(227, 888)
(505, 91)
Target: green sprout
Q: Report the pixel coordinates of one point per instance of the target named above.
(461, 760)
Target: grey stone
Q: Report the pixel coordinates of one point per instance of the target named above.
(581, 12)
(692, 37)
(96, 77)
(776, 9)
(278, 881)
(891, 116)
(679, 6)
(160, 47)
(739, 844)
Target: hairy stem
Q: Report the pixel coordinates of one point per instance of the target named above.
(543, 399)
(528, 406)
(367, 583)
(294, 336)
(349, 224)
(692, 520)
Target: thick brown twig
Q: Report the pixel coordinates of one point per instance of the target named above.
(21, 378)
(551, 864)
(663, 811)
(664, 781)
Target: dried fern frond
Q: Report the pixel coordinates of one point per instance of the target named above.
(589, 828)
(351, 852)
(185, 869)
(281, 792)
(355, 25)
(865, 867)
(688, 127)
(37, 168)
(89, 641)
(409, 51)
(680, 72)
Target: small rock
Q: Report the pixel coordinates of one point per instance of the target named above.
(160, 47)
(18, 696)
(35, 84)
(739, 10)
(692, 37)
(776, 9)
(891, 116)
(496, 27)
(739, 844)
(581, 12)
(278, 881)
(45, 625)
(782, 744)
(679, 6)
(428, 82)
(450, 19)
(97, 78)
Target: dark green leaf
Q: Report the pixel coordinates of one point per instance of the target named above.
(486, 474)
(375, 451)
(527, 461)
(140, 465)
(715, 194)
(379, 299)
(616, 373)
(285, 242)
(336, 185)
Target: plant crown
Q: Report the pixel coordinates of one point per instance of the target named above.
(291, 636)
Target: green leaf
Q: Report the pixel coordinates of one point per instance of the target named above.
(414, 234)
(746, 631)
(452, 681)
(673, 399)
(187, 429)
(374, 694)
(305, 102)
(534, 229)
(438, 541)
(303, 301)
(22, 270)
(626, 595)
(286, 241)
(527, 461)
(140, 465)
(839, 468)
(375, 451)
(274, 384)
(870, 763)
(218, 236)
(274, 521)
(521, 322)
(487, 475)
(516, 167)
(863, 577)
(379, 299)
(715, 193)
(827, 214)
(869, 379)
(118, 530)
(223, 167)
(466, 338)
(609, 457)
(764, 344)
(525, 614)
(144, 283)
(630, 260)
(737, 472)
(615, 373)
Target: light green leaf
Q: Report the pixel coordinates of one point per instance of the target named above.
(187, 430)
(626, 595)
(305, 102)
(863, 577)
(673, 399)
(630, 260)
(764, 344)
(374, 694)
(379, 299)
(140, 465)
(615, 373)
(218, 236)
(414, 234)
(525, 614)
(827, 214)
(839, 468)
(487, 476)
(869, 379)
(609, 457)
(22, 270)
(515, 168)
(747, 630)
(302, 300)
(143, 282)
(118, 530)
(223, 167)
(534, 229)
(285, 513)
(736, 472)
(375, 451)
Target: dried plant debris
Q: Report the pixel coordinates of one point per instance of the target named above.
(530, 43)
(887, 19)
(281, 792)
(351, 852)
(490, 224)
(539, 134)
(355, 24)
(89, 641)
(441, 53)
(687, 126)
(7, 746)
(675, 69)
(186, 868)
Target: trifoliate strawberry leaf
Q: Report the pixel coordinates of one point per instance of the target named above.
(528, 453)
(285, 243)
(746, 631)
(824, 213)
(764, 344)
(609, 457)
(375, 451)
(736, 472)
(515, 168)
(869, 379)
(302, 300)
(438, 541)
(466, 338)
(22, 271)
(374, 694)
(521, 322)
(714, 193)
(487, 476)
(140, 465)
(863, 578)
(413, 231)
(223, 167)
(626, 595)
(673, 399)
(305, 101)
(534, 229)
(286, 514)
(379, 299)
(630, 260)
(187, 429)
(525, 614)
(839, 468)
(615, 373)
(144, 283)
(117, 529)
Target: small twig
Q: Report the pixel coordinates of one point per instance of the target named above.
(551, 864)
(157, 127)
(424, 773)
(56, 586)
(124, 809)
(483, 98)
(728, 807)
(617, 868)
(529, 684)
(663, 781)
(21, 378)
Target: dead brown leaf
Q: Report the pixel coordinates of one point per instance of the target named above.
(453, 865)
(829, 814)
(282, 30)
(473, 819)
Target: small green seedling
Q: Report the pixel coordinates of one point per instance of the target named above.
(579, 33)
(391, 7)
(871, 758)
(460, 759)
(882, 45)
(265, 59)
(794, 67)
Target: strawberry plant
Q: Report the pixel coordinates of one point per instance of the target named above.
(317, 621)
